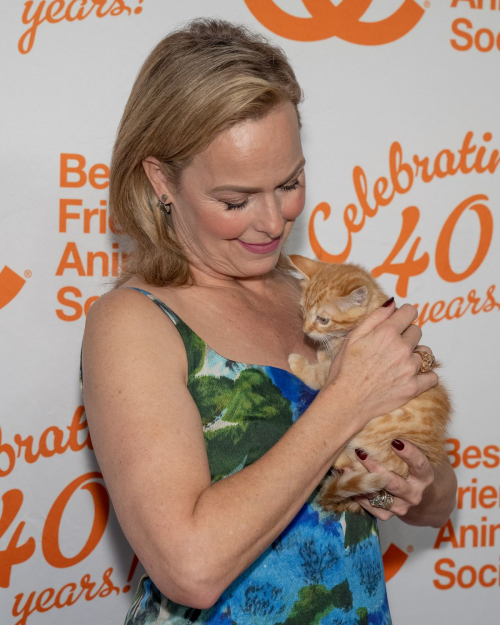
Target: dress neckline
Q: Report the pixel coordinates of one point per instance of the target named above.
(237, 362)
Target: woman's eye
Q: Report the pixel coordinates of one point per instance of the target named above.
(322, 320)
(231, 207)
(291, 187)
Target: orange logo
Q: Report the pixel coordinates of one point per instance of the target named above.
(10, 285)
(393, 559)
(342, 20)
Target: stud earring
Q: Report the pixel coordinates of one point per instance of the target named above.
(163, 204)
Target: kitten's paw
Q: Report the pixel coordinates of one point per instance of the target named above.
(324, 358)
(346, 505)
(297, 363)
(338, 489)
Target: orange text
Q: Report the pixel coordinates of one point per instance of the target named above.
(20, 550)
(402, 175)
(67, 595)
(52, 441)
(483, 497)
(483, 535)
(472, 456)
(482, 39)
(465, 576)
(457, 307)
(36, 13)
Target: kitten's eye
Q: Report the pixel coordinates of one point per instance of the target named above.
(322, 320)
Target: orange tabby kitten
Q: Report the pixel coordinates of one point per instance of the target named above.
(335, 299)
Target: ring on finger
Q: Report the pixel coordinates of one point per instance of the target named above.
(383, 500)
(428, 361)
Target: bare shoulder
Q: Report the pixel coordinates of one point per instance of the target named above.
(126, 324)
(125, 311)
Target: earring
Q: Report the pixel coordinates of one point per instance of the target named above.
(163, 204)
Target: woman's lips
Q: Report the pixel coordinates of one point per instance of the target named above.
(261, 248)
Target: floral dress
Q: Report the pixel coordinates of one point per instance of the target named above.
(325, 568)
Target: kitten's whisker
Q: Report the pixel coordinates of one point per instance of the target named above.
(329, 349)
(293, 290)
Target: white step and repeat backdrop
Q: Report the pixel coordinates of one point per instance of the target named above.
(401, 134)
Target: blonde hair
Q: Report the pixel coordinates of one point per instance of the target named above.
(197, 81)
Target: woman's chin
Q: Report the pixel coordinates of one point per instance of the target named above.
(258, 266)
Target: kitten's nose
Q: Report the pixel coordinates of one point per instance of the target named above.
(308, 326)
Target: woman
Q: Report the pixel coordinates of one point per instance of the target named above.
(207, 178)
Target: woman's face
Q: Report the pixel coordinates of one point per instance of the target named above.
(238, 199)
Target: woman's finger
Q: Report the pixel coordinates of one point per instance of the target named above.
(425, 381)
(406, 492)
(396, 485)
(379, 513)
(371, 465)
(423, 348)
(412, 335)
(403, 318)
(373, 320)
(418, 463)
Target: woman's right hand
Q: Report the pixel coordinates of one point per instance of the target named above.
(377, 370)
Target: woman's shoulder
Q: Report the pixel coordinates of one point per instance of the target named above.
(123, 318)
(123, 304)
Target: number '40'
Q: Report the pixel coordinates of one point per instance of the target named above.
(17, 552)
(413, 266)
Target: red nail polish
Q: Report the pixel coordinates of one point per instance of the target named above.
(361, 454)
(397, 444)
(388, 302)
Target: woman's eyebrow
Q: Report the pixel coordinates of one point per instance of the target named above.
(255, 189)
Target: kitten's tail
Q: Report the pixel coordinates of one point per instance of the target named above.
(337, 488)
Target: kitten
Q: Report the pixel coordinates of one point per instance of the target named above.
(336, 299)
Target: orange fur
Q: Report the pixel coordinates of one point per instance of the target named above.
(335, 299)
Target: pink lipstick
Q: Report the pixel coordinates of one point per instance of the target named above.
(261, 248)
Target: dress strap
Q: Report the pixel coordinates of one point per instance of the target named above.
(195, 346)
(168, 311)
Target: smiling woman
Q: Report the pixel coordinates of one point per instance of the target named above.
(196, 83)
(212, 463)
(225, 225)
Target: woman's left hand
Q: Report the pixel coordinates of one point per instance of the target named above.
(426, 497)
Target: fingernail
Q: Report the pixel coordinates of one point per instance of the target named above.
(388, 302)
(361, 454)
(397, 444)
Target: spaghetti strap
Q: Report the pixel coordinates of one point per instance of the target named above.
(168, 311)
(193, 343)
(190, 339)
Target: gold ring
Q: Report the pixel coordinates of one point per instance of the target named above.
(428, 361)
(383, 500)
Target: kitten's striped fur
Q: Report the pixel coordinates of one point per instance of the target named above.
(344, 295)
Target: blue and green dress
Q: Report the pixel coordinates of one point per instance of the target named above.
(325, 568)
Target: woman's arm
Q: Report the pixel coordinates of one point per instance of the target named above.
(195, 538)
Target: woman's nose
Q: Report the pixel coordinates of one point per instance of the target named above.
(269, 218)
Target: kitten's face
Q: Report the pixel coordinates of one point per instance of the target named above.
(335, 298)
(333, 313)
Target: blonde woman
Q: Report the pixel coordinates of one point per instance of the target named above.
(211, 449)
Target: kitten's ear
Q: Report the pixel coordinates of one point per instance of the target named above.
(358, 297)
(305, 266)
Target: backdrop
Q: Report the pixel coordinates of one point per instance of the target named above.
(401, 134)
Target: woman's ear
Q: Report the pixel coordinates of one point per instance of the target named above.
(155, 176)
